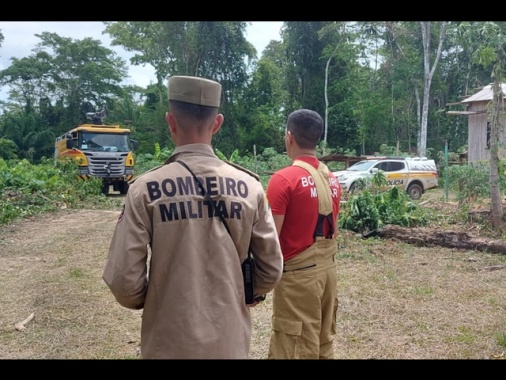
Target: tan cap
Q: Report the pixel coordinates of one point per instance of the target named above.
(195, 90)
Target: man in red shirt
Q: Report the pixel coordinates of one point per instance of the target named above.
(304, 200)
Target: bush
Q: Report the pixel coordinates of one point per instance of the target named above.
(471, 182)
(27, 189)
(370, 210)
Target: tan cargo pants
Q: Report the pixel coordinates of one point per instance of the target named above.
(305, 305)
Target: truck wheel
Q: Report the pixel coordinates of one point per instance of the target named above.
(123, 188)
(358, 185)
(415, 191)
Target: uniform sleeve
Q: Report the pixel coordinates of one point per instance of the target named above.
(125, 271)
(266, 249)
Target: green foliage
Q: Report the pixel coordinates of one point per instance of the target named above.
(212, 49)
(146, 161)
(272, 160)
(8, 149)
(379, 179)
(28, 133)
(260, 117)
(361, 184)
(368, 211)
(264, 164)
(27, 189)
(453, 157)
(233, 156)
(360, 213)
(376, 183)
(501, 339)
(386, 150)
(373, 72)
(471, 182)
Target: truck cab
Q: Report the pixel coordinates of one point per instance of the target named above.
(102, 151)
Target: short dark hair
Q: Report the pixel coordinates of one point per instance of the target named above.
(192, 111)
(306, 126)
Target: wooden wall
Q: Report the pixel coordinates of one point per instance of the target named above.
(477, 134)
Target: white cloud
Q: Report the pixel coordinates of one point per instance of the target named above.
(260, 33)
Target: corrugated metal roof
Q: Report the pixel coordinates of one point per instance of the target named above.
(485, 94)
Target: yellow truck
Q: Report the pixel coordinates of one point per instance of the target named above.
(102, 151)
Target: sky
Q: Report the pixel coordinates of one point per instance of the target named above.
(20, 39)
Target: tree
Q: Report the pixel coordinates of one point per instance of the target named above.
(8, 149)
(305, 70)
(25, 131)
(496, 113)
(326, 89)
(82, 72)
(29, 79)
(491, 53)
(260, 109)
(428, 73)
(78, 74)
(211, 49)
(408, 73)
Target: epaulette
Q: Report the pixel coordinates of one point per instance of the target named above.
(253, 174)
(147, 171)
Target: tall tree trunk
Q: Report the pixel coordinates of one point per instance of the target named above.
(326, 87)
(428, 73)
(497, 113)
(418, 116)
(326, 96)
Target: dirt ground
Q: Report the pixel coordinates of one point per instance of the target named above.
(396, 301)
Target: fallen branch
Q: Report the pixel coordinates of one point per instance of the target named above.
(20, 326)
(494, 267)
(431, 237)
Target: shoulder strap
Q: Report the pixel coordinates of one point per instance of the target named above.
(321, 180)
(206, 194)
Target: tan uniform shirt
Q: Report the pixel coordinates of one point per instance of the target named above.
(191, 286)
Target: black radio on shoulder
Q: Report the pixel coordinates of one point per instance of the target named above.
(248, 273)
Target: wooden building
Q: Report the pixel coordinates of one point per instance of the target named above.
(476, 108)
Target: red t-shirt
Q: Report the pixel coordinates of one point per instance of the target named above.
(289, 192)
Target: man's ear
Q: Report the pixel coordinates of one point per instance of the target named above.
(218, 122)
(170, 120)
(289, 136)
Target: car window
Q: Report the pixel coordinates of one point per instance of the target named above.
(382, 166)
(361, 166)
(390, 166)
(396, 166)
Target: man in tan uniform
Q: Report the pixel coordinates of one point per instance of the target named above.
(191, 286)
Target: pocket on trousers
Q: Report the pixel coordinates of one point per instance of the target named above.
(287, 326)
(286, 338)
